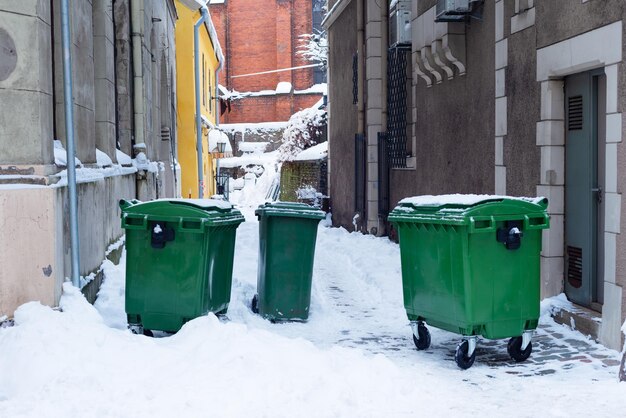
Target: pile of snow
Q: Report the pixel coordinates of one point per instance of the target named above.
(321, 88)
(102, 159)
(60, 155)
(123, 159)
(253, 147)
(284, 87)
(142, 162)
(253, 190)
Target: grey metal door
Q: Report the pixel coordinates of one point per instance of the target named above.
(582, 192)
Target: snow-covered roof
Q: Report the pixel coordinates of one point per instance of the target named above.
(283, 87)
(321, 88)
(253, 147)
(256, 126)
(316, 152)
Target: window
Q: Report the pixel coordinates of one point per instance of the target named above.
(319, 75)
(210, 95)
(203, 81)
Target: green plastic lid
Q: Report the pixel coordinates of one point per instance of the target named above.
(290, 209)
(208, 211)
(466, 209)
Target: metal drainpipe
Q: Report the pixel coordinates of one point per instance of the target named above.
(384, 28)
(196, 64)
(71, 152)
(360, 39)
(137, 33)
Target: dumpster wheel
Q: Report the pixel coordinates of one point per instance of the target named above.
(254, 306)
(422, 339)
(461, 358)
(514, 348)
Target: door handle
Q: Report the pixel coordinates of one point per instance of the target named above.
(598, 190)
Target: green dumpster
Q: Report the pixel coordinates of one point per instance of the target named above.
(470, 265)
(179, 260)
(287, 234)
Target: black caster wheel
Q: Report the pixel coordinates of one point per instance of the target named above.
(255, 304)
(514, 348)
(461, 358)
(422, 340)
(136, 329)
(148, 333)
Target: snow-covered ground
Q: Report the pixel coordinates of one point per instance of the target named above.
(353, 358)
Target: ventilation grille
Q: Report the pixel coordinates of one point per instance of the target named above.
(575, 113)
(575, 266)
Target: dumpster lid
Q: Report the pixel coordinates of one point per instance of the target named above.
(206, 204)
(462, 201)
(293, 209)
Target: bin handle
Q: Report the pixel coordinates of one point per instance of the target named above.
(134, 221)
(482, 224)
(536, 222)
(191, 226)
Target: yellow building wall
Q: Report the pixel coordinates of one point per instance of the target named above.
(186, 109)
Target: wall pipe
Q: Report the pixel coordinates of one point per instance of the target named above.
(360, 40)
(384, 32)
(196, 64)
(137, 33)
(71, 151)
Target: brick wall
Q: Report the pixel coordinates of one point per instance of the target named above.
(268, 108)
(263, 38)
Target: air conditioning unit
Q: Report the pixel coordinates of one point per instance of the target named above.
(400, 23)
(456, 10)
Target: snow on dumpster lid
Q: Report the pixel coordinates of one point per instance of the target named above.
(461, 199)
(204, 203)
(290, 209)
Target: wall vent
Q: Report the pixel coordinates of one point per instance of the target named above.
(575, 113)
(575, 266)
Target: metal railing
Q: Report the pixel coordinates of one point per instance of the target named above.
(360, 173)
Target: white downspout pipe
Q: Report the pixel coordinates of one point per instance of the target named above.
(71, 152)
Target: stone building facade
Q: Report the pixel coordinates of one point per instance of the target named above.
(123, 72)
(526, 100)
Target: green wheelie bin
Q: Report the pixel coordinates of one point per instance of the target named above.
(287, 235)
(179, 260)
(470, 265)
